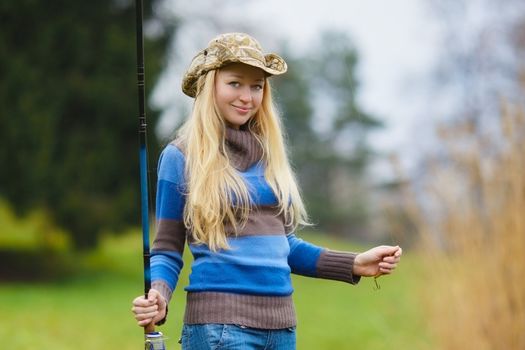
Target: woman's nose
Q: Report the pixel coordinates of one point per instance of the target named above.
(246, 95)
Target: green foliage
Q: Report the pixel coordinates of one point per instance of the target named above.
(34, 232)
(331, 157)
(69, 111)
(32, 247)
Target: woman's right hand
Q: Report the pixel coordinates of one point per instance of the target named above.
(151, 310)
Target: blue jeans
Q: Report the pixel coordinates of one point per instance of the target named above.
(232, 337)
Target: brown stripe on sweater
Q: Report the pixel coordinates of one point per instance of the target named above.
(163, 288)
(171, 235)
(335, 265)
(262, 220)
(254, 311)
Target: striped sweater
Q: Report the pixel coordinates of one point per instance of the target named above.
(249, 284)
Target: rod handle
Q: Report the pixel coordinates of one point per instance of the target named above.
(150, 328)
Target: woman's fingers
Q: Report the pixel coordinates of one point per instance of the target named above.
(387, 268)
(145, 318)
(144, 310)
(144, 322)
(391, 259)
(143, 302)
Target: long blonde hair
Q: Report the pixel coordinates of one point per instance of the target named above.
(216, 193)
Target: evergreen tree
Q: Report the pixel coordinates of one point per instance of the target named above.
(69, 112)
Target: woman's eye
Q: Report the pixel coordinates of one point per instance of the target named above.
(257, 87)
(234, 84)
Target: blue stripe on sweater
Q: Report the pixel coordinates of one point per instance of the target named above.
(170, 185)
(171, 165)
(265, 250)
(170, 201)
(241, 279)
(303, 256)
(260, 191)
(166, 266)
(254, 265)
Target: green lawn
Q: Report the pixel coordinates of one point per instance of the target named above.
(92, 310)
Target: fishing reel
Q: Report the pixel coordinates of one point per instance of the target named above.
(154, 341)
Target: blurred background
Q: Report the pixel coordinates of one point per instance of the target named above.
(405, 122)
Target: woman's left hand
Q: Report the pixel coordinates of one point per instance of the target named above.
(381, 260)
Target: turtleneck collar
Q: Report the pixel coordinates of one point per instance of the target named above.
(243, 148)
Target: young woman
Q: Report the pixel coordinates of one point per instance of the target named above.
(225, 187)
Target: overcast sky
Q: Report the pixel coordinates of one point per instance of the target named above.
(396, 40)
(397, 44)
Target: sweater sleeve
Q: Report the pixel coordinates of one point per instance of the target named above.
(168, 246)
(310, 260)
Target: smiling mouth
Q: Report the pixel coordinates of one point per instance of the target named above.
(242, 110)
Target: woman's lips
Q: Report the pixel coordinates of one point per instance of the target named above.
(242, 110)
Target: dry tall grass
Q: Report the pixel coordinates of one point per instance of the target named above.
(471, 217)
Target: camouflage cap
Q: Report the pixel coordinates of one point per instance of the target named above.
(229, 48)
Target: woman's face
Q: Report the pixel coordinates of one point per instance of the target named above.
(238, 92)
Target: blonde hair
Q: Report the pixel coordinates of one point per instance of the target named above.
(216, 193)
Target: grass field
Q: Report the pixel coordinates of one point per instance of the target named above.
(92, 310)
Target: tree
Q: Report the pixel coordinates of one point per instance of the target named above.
(329, 145)
(68, 97)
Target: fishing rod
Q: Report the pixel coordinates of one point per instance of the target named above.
(143, 152)
(153, 340)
